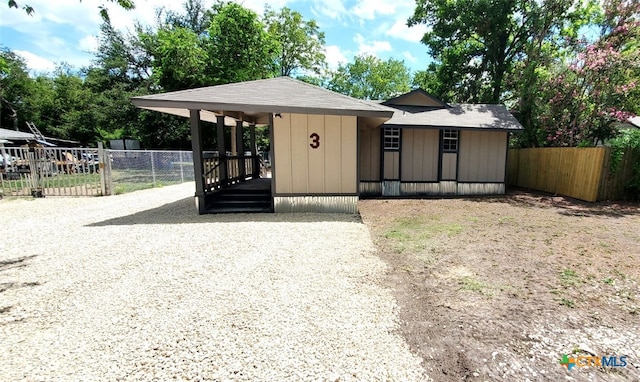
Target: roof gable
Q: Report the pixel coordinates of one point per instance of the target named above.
(416, 97)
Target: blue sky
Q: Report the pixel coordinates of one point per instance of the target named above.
(66, 30)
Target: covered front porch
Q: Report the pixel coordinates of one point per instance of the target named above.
(232, 176)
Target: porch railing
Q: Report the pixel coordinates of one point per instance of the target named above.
(230, 169)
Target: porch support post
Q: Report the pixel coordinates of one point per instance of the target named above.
(198, 169)
(222, 152)
(240, 148)
(254, 151)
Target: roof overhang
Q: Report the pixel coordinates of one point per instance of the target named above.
(450, 127)
(251, 112)
(256, 101)
(479, 117)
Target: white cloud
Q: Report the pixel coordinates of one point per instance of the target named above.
(402, 31)
(367, 9)
(35, 62)
(372, 47)
(334, 9)
(410, 57)
(89, 44)
(335, 56)
(80, 15)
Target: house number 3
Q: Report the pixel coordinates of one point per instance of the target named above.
(315, 141)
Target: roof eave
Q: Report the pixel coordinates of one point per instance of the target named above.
(427, 126)
(145, 103)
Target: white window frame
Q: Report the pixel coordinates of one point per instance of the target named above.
(450, 141)
(391, 138)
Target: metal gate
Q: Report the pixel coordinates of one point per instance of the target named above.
(51, 171)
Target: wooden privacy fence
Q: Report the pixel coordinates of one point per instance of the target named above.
(581, 173)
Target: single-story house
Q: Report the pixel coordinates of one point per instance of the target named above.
(329, 149)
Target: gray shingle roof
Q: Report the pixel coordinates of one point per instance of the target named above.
(466, 116)
(16, 135)
(274, 95)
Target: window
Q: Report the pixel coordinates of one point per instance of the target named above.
(450, 141)
(392, 138)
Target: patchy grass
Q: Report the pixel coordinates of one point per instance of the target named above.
(569, 277)
(470, 284)
(413, 233)
(122, 188)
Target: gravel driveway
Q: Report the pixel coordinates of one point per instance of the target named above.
(138, 287)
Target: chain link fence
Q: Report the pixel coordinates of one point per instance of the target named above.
(90, 172)
(130, 170)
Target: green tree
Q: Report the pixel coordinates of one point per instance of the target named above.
(76, 118)
(194, 17)
(301, 43)
(179, 59)
(16, 87)
(477, 42)
(316, 80)
(238, 46)
(554, 24)
(125, 57)
(428, 81)
(124, 68)
(369, 77)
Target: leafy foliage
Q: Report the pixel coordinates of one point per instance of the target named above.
(628, 142)
(178, 59)
(369, 77)
(16, 90)
(300, 42)
(587, 98)
(238, 46)
(475, 43)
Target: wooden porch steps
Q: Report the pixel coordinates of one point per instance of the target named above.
(241, 198)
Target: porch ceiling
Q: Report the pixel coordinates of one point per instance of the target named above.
(210, 116)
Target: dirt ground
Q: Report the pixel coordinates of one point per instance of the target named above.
(501, 288)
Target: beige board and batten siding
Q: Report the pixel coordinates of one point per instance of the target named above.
(329, 169)
(391, 165)
(369, 151)
(420, 155)
(449, 163)
(482, 156)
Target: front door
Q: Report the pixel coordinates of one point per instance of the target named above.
(449, 155)
(391, 161)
